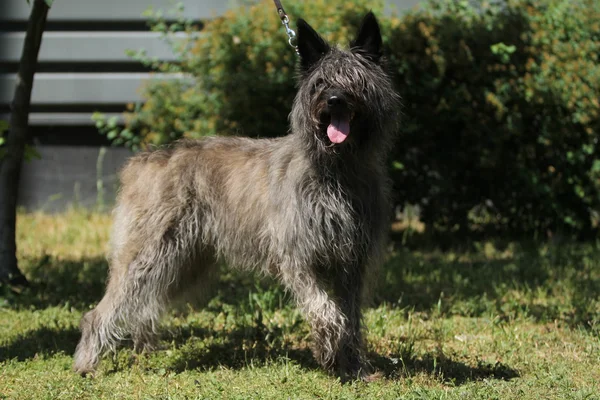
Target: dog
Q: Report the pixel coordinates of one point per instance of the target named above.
(310, 209)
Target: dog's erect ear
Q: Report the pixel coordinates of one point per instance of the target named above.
(368, 41)
(311, 46)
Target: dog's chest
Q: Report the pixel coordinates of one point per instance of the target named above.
(338, 221)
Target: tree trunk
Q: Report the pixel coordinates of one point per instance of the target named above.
(16, 139)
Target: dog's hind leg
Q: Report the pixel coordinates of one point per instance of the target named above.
(92, 343)
(140, 287)
(127, 310)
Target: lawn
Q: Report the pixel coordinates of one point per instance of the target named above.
(483, 320)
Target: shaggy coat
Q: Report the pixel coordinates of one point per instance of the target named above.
(309, 208)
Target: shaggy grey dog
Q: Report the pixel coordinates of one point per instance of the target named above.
(310, 209)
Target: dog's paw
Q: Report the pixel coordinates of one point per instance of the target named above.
(363, 374)
(84, 372)
(371, 377)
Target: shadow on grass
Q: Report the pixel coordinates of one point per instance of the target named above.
(443, 368)
(251, 345)
(195, 348)
(545, 283)
(42, 342)
(256, 346)
(53, 282)
(245, 347)
(241, 348)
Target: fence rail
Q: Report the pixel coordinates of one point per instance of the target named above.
(113, 10)
(87, 68)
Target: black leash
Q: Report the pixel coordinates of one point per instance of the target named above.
(280, 9)
(286, 23)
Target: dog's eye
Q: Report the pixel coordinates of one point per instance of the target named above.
(317, 86)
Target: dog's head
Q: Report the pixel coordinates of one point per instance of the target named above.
(345, 97)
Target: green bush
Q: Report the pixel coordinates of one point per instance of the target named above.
(501, 112)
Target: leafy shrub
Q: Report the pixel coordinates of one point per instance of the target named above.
(501, 111)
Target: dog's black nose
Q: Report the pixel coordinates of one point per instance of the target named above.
(334, 101)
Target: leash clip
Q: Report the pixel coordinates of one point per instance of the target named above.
(292, 40)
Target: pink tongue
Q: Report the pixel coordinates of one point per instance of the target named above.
(338, 129)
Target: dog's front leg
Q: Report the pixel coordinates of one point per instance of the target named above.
(335, 321)
(350, 358)
(327, 321)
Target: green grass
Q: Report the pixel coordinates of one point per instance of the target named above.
(489, 321)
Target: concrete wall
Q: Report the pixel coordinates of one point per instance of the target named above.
(71, 175)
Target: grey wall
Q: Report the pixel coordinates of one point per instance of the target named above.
(71, 175)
